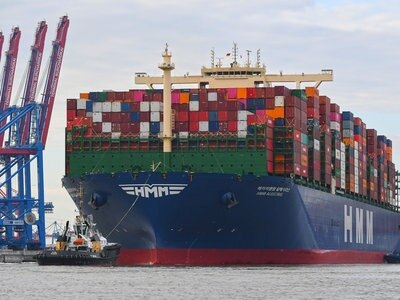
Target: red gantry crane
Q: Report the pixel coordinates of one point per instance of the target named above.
(1, 43)
(24, 130)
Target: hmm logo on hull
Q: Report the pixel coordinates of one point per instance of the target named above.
(153, 190)
(363, 234)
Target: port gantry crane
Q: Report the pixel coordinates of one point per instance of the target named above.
(23, 135)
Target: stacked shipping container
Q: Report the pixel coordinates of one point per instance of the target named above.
(302, 132)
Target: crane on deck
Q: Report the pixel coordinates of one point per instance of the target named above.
(23, 135)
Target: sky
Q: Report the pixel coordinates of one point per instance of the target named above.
(108, 41)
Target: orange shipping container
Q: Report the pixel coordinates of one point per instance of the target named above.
(184, 98)
(84, 95)
(278, 112)
(312, 91)
(242, 93)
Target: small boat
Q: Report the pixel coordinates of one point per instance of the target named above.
(392, 258)
(82, 246)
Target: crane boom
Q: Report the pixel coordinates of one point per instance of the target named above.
(1, 43)
(34, 63)
(9, 69)
(52, 78)
(33, 74)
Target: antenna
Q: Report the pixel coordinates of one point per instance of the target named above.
(219, 63)
(258, 63)
(248, 58)
(235, 50)
(212, 58)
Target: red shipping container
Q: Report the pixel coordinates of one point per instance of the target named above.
(270, 103)
(125, 128)
(203, 106)
(182, 116)
(129, 96)
(116, 117)
(233, 105)
(222, 116)
(71, 104)
(203, 116)
(194, 116)
(106, 117)
(144, 116)
(281, 91)
(97, 127)
(125, 117)
(251, 119)
(251, 92)
(269, 92)
(232, 115)
(135, 106)
(71, 114)
(269, 144)
(223, 126)
(134, 127)
(115, 127)
(270, 167)
(193, 126)
(260, 92)
(232, 126)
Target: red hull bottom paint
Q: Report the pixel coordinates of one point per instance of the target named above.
(217, 257)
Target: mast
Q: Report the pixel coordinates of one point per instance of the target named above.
(167, 67)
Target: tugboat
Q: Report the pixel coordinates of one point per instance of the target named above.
(84, 246)
(392, 258)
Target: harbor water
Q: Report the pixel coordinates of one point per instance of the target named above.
(30, 281)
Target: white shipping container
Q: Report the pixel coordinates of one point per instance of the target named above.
(335, 126)
(144, 106)
(115, 135)
(342, 165)
(356, 145)
(155, 106)
(337, 154)
(194, 105)
(116, 106)
(80, 104)
(106, 127)
(342, 183)
(342, 147)
(242, 133)
(97, 106)
(347, 133)
(144, 134)
(343, 156)
(97, 117)
(203, 126)
(356, 188)
(242, 115)
(375, 172)
(279, 101)
(89, 114)
(316, 145)
(184, 134)
(212, 96)
(144, 126)
(242, 125)
(106, 106)
(154, 116)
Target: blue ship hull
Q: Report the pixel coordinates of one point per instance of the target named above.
(217, 219)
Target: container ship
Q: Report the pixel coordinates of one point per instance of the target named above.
(237, 169)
